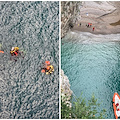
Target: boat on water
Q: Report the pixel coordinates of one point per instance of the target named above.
(116, 105)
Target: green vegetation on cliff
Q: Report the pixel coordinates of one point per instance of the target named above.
(81, 109)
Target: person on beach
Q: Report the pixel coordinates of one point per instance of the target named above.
(87, 25)
(79, 24)
(90, 24)
(93, 28)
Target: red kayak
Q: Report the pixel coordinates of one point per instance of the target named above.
(116, 105)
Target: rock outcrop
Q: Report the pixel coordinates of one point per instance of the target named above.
(70, 13)
(65, 87)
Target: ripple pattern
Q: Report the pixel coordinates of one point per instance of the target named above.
(92, 64)
(26, 93)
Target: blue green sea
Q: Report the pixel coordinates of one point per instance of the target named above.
(92, 64)
(25, 92)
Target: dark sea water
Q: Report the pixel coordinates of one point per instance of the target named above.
(25, 92)
(92, 64)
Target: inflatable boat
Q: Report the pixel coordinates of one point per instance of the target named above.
(116, 105)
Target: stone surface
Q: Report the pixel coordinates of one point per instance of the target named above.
(100, 16)
(65, 87)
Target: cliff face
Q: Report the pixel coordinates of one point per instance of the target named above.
(65, 87)
(97, 11)
(104, 16)
(70, 13)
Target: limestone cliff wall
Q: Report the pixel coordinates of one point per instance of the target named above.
(70, 13)
(65, 87)
(104, 16)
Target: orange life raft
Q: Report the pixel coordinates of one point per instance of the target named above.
(1, 51)
(116, 105)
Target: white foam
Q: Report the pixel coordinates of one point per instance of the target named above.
(86, 37)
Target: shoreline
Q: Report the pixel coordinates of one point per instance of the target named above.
(97, 31)
(92, 38)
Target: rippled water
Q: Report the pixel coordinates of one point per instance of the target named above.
(92, 64)
(24, 91)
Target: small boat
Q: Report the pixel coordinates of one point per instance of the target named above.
(116, 105)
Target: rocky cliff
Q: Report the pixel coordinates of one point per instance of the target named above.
(65, 87)
(70, 13)
(104, 16)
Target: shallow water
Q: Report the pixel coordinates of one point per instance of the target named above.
(92, 64)
(24, 91)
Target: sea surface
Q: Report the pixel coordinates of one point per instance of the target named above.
(25, 92)
(92, 64)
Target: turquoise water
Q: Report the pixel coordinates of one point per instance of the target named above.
(93, 66)
(26, 93)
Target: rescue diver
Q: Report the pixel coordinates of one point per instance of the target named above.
(14, 51)
(48, 69)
